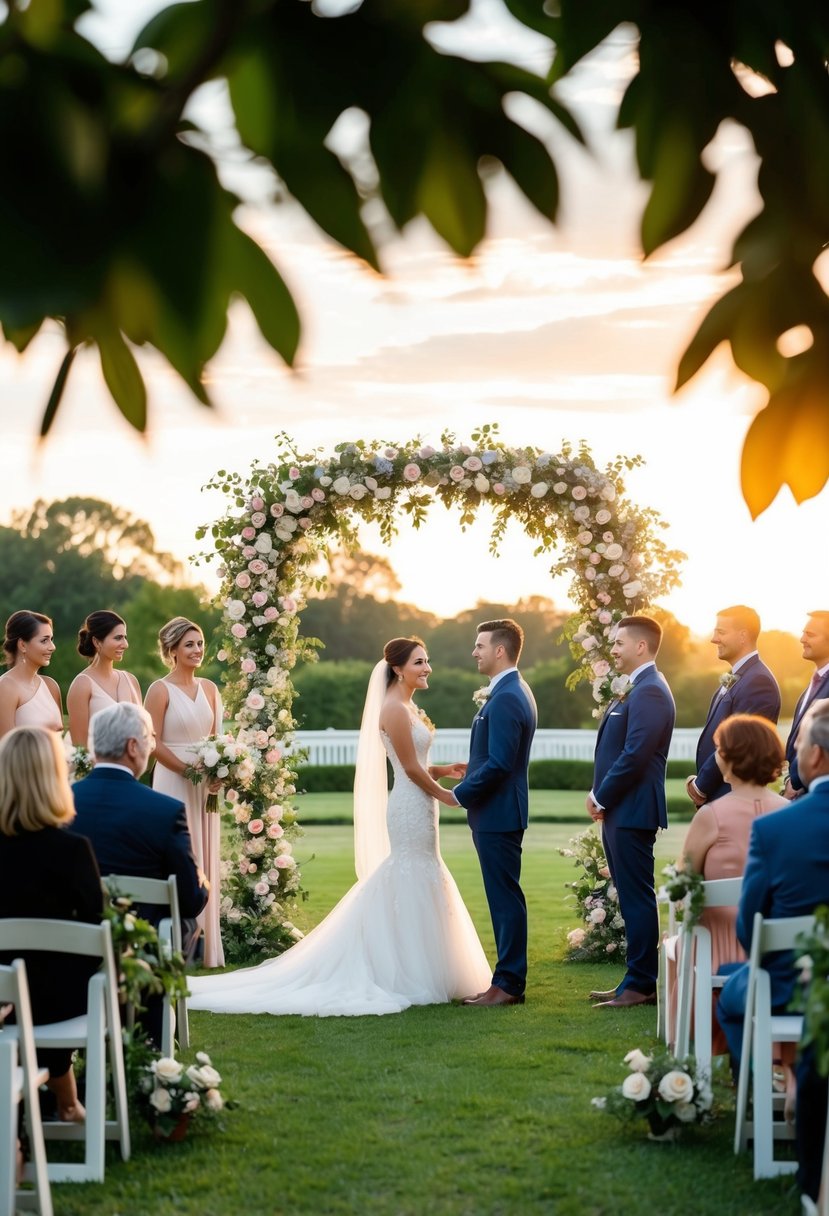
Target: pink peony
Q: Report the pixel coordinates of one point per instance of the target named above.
(275, 830)
(256, 826)
(273, 756)
(411, 472)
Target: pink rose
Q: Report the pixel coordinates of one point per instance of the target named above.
(317, 494)
(258, 518)
(260, 599)
(255, 701)
(275, 830)
(256, 826)
(244, 866)
(288, 603)
(232, 795)
(239, 630)
(248, 533)
(248, 551)
(248, 666)
(261, 888)
(257, 566)
(305, 523)
(426, 452)
(456, 473)
(257, 504)
(473, 464)
(283, 862)
(252, 867)
(306, 501)
(277, 510)
(273, 756)
(271, 613)
(242, 579)
(411, 472)
(601, 668)
(499, 487)
(293, 473)
(579, 493)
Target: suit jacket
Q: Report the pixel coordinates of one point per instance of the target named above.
(787, 874)
(52, 873)
(632, 754)
(495, 790)
(803, 704)
(754, 692)
(135, 830)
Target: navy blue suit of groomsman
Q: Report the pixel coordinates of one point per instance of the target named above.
(815, 644)
(132, 828)
(495, 795)
(748, 688)
(628, 799)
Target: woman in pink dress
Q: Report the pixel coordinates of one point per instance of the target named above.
(749, 755)
(185, 708)
(103, 640)
(28, 698)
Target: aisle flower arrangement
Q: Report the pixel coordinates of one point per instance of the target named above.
(172, 1094)
(601, 936)
(271, 545)
(662, 1090)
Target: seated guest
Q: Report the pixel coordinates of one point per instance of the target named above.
(132, 828)
(749, 754)
(46, 871)
(787, 873)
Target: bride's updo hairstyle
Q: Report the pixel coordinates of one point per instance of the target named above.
(396, 653)
(96, 628)
(21, 627)
(170, 635)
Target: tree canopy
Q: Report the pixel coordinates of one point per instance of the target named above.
(144, 248)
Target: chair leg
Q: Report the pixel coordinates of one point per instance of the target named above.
(8, 1127)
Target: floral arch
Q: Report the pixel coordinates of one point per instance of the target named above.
(279, 523)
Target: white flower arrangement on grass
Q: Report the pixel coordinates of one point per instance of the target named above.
(664, 1091)
(284, 516)
(173, 1094)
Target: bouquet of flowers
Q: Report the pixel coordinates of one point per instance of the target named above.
(172, 1094)
(602, 937)
(221, 758)
(685, 888)
(78, 758)
(661, 1089)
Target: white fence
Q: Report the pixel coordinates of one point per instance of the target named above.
(340, 746)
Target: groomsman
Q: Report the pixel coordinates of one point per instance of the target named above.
(628, 799)
(748, 688)
(815, 643)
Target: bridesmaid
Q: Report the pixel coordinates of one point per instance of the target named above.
(26, 697)
(185, 708)
(102, 639)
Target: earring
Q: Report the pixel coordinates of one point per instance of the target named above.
(399, 679)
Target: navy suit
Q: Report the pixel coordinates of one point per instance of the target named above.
(495, 794)
(821, 692)
(135, 830)
(787, 874)
(754, 691)
(629, 784)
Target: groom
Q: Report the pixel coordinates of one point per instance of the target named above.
(495, 795)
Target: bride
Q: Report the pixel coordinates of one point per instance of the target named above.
(402, 935)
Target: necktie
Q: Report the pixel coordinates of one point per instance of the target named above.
(813, 686)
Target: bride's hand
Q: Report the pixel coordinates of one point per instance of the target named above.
(214, 786)
(456, 771)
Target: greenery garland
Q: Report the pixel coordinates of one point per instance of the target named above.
(271, 542)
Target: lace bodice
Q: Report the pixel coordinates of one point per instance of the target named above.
(412, 814)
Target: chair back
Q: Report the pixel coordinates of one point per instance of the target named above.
(723, 892)
(158, 892)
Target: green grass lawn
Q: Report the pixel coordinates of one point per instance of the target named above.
(563, 805)
(440, 1110)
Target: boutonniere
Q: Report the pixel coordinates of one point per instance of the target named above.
(728, 680)
(621, 687)
(480, 697)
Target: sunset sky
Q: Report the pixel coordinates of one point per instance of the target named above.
(555, 333)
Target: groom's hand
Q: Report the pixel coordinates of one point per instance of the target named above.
(593, 809)
(456, 771)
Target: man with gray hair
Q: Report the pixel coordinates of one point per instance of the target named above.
(787, 873)
(132, 828)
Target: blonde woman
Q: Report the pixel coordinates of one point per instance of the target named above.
(46, 871)
(28, 698)
(185, 708)
(102, 639)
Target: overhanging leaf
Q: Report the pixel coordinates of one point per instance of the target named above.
(122, 376)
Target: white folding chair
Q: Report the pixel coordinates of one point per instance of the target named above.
(94, 1032)
(695, 982)
(163, 893)
(665, 1019)
(760, 1030)
(20, 1079)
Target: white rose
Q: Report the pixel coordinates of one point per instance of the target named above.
(613, 552)
(341, 486)
(686, 1112)
(168, 1069)
(357, 492)
(603, 516)
(608, 492)
(325, 481)
(382, 493)
(676, 1086)
(213, 1100)
(637, 1061)
(481, 484)
(522, 474)
(560, 487)
(636, 1087)
(263, 543)
(210, 757)
(235, 609)
(161, 1101)
(632, 589)
(202, 1056)
(539, 489)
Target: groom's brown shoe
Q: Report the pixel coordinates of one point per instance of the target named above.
(603, 996)
(627, 999)
(494, 996)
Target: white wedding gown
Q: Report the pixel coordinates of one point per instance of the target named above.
(400, 937)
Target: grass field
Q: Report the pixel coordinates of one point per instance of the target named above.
(440, 1110)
